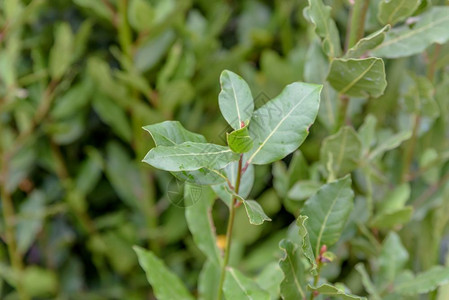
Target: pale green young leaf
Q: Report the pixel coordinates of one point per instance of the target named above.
(239, 140)
(358, 77)
(303, 189)
(166, 285)
(342, 150)
(392, 259)
(239, 286)
(330, 290)
(395, 199)
(424, 282)
(199, 220)
(270, 279)
(405, 41)
(61, 54)
(235, 100)
(190, 156)
(255, 212)
(367, 43)
(281, 125)
(328, 210)
(320, 15)
(294, 284)
(394, 11)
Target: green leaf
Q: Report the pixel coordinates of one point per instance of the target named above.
(190, 156)
(171, 133)
(141, 15)
(199, 220)
(255, 212)
(235, 100)
(392, 259)
(301, 222)
(419, 98)
(113, 115)
(366, 281)
(342, 150)
(320, 15)
(270, 279)
(328, 210)
(239, 140)
(367, 133)
(39, 282)
(238, 286)
(293, 285)
(358, 77)
(391, 219)
(61, 54)
(367, 43)
(281, 125)
(405, 41)
(424, 282)
(330, 290)
(208, 281)
(394, 11)
(303, 190)
(389, 143)
(166, 285)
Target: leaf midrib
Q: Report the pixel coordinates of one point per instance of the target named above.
(411, 33)
(323, 225)
(231, 271)
(277, 126)
(298, 285)
(358, 78)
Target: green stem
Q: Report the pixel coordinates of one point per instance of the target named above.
(357, 22)
(227, 249)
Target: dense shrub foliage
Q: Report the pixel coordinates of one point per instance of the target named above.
(90, 88)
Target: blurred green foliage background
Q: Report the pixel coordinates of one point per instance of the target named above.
(79, 79)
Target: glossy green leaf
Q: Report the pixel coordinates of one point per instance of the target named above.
(255, 212)
(328, 210)
(61, 54)
(320, 15)
(424, 282)
(294, 284)
(394, 11)
(358, 77)
(238, 286)
(280, 126)
(170, 133)
(342, 151)
(190, 156)
(405, 41)
(367, 43)
(235, 100)
(199, 220)
(330, 290)
(239, 140)
(166, 285)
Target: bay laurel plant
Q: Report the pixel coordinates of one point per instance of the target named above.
(359, 189)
